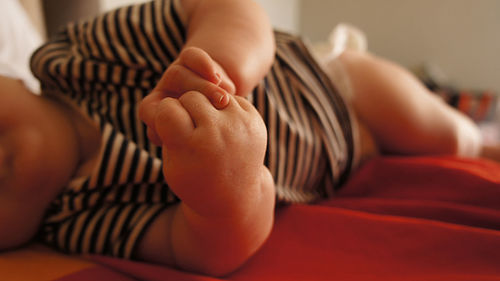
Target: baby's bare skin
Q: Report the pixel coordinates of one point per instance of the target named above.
(213, 153)
(39, 152)
(221, 150)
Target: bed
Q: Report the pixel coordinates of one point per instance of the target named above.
(397, 218)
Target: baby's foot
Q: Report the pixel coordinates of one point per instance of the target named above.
(213, 159)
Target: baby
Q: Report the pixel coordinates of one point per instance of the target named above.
(236, 117)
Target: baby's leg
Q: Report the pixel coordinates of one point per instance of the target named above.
(402, 115)
(213, 161)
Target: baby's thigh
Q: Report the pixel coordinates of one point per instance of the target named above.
(403, 116)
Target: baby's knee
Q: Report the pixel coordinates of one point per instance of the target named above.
(453, 133)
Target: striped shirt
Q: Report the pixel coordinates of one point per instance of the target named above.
(106, 65)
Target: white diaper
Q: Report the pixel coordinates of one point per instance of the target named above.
(342, 37)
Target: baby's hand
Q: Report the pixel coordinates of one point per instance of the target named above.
(213, 159)
(193, 70)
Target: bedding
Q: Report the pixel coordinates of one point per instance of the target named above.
(18, 39)
(397, 218)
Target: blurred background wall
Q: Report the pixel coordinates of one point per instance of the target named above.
(462, 37)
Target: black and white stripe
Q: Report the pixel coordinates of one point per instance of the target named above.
(311, 143)
(106, 66)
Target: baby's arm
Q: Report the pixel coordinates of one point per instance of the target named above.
(236, 34)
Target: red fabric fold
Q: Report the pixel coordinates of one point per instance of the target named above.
(426, 218)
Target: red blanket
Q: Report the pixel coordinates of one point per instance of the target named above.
(396, 219)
